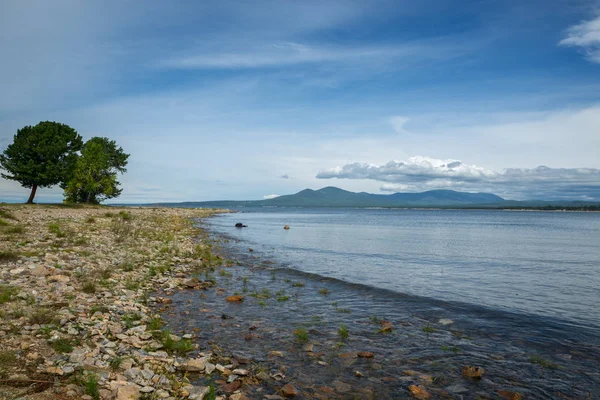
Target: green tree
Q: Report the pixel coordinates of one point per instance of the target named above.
(94, 177)
(41, 156)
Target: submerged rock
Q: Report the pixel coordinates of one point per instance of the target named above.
(234, 299)
(418, 392)
(240, 225)
(470, 371)
(289, 391)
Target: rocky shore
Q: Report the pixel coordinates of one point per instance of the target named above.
(77, 316)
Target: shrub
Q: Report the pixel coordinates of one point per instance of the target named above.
(343, 332)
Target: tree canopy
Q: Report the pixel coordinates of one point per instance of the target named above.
(94, 177)
(41, 156)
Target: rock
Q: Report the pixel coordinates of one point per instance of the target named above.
(365, 354)
(418, 392)
(508, 395)
(54, 371)
(275, 353)
(341, 387)
(287, 227)
(232, 387)
(241, 372)
(240, 225)
(132, 373)
(128, 392)
(209, 368)
(472, 372)
(386, 326)
(41, 271)
(289, 391)
(347, 355)
(238, 396)
(308, 347)
(358, 374)
(234, 299)
(191, 283)
(17, 271)
(198, 392)
(194, 365)
(445, 321)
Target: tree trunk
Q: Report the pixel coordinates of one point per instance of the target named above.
(32, 195)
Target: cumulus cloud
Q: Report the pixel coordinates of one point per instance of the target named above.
(270, 196)
(586, 36)
(426, 173)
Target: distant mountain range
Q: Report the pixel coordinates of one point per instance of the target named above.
(336, 197)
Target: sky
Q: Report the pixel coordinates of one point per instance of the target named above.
(245, 100)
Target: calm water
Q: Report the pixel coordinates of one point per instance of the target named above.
(544, 264)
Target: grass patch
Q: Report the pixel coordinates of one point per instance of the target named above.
(115, 363)
(56, 229)
(98, 308)
(123, 230)
(130, 319)
(155, 324)
(42, 317)
(14, 230)
(62, 345)
(297, 284)
(89, 287)
(90, 387)
(324, 291)
(7, 292)
(90, 220)
(132, 284)
(172, 346)
(343, 332)
(301, 335)
(125, 216)
(7, 215)
(428, 329)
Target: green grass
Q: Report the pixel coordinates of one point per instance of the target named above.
(4, 223)
(89, 287)
(7, 292)
(343, 332)
(282, 297)
(115, 363)
(90, 220)
(56, 229)
(7, 215)
(97, 307)
(301, 335)
(155, 324)
(62, 345)
(125, 216)
(130, 318)
(324, 291)
(297, 284)
(42, 317)
(90, 386)
(14, 230)
(171, 346)
(428, 329)
(132, 284)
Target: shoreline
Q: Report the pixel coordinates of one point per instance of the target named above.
(76, 316)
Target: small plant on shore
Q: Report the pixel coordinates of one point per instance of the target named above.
(98, 308)
(127, 266)
(129, 319)
(115, 363)
(56, 229)
(301, 335)
(297, 284)
(155, 324)
(14, 230)
(3, 223)
(343, 332)
(61, 345)
(132, 284)
(90, 386)
(7, 292)
(89, 287)
(125, 216)
(42, 317)
(172, 346)
(225, 273)
(428, 329)
(7, 360)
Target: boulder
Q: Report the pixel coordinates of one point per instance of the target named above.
(240, 225)
(289, 391)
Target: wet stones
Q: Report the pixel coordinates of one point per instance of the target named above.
(418, 392)
(289, 390)
(472, 372)
(386, 326)
(235, 299)
(365, 354)
(508, 395)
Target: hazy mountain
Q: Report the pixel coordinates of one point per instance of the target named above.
(335, 197)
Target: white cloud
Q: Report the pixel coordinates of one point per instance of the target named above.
(270, 196)
(426, 173)
(586, 36)
(398, 123)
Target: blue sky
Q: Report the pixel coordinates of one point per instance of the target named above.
(242, 100)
